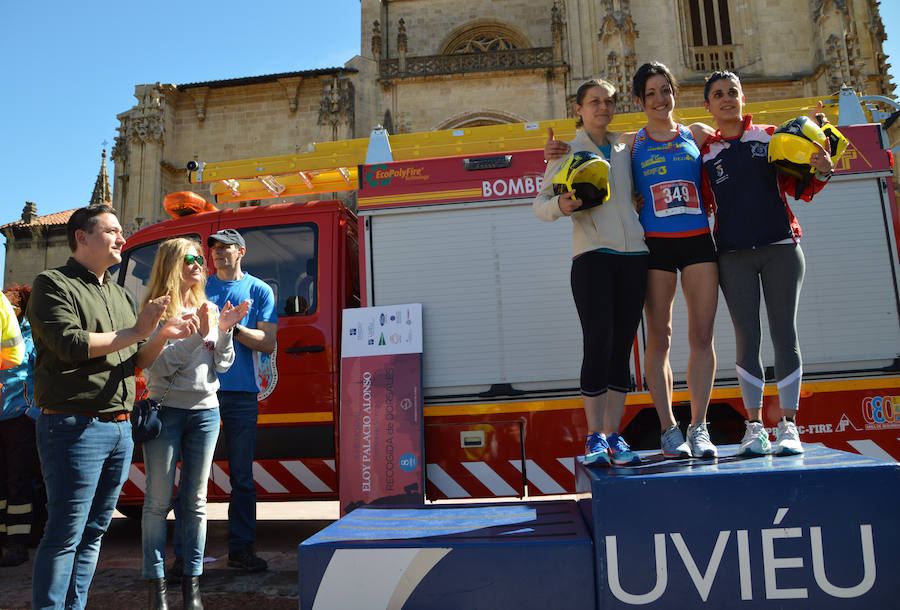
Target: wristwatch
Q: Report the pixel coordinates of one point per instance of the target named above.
(236, 330)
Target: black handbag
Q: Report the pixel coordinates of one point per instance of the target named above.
(146, 423)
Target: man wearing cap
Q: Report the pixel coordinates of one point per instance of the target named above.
(88, 341)
(238, 387)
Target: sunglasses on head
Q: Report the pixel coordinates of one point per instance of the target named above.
(190, 259)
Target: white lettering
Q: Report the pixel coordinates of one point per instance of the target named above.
(515, 186)
(486, 189)
(772, 563)
(703, 583)
(662, 574)
(818, 561)
(743, 541)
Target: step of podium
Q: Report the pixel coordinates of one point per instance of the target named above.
(510, 555)
(818, 530)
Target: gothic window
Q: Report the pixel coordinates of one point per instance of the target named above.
(483, 37)
(709, 33)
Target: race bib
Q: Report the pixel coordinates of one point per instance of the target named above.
(675, 197)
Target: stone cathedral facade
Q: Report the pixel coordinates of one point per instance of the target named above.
(441, 64)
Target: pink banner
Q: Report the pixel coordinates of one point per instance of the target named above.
(381, 431)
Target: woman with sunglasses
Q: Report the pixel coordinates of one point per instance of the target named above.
(183, 379)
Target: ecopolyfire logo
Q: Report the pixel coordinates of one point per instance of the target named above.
(381, 174)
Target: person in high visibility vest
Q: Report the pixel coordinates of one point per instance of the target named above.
(17, 444)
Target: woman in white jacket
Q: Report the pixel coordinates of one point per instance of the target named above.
(183, 379)
(609, 273)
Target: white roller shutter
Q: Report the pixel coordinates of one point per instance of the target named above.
(494, 284)
(847, 317)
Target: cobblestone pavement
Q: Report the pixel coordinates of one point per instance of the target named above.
(117, 582)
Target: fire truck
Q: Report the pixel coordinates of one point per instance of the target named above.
(444, 219)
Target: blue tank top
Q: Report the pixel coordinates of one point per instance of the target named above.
(667, 175)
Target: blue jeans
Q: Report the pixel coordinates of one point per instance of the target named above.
(239, 411)
(190, 436)
(85, 462)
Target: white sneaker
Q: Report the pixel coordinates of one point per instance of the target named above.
(698, 440)
(756, 440)
(673, 445)
(787, 439)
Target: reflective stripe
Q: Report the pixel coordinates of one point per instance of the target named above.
(445, 482)
(538, 477)
(18, 509)
(568, 462)
(490, 479)
(138, 478)
(306, 476)
(267, 481)
(3, 504)
(220, 478)
(871, 449)
(17, 530)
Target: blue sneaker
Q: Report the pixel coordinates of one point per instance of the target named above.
(596, 450)
(620, 453)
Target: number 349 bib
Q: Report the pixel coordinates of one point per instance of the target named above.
(675, 197)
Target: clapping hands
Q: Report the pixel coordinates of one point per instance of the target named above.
(231, 315)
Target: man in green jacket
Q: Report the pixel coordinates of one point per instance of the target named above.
(87, 340)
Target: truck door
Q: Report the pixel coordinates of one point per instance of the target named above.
(294, 254)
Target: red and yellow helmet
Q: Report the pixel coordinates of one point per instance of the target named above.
(587, 174)
(792, 145)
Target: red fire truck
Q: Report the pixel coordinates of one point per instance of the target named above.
(501, 337)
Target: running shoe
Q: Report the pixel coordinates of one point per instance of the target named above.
(596, 450)
(620, 453)
(756, 440)
(673, 445)
(698, 440)
(787, 439)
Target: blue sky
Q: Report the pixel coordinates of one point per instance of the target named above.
(71, 67)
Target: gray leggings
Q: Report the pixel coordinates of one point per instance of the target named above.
(779, 269)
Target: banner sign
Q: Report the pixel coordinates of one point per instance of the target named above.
(381, 449)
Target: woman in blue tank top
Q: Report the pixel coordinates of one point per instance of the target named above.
(666, 168)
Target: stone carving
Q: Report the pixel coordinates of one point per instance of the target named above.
(512, 59)
(291, 87)
(557, 31)
(376, 40)
(401, 37)
(199, 95)
(336, 106)
(401, 45)
(119, 152)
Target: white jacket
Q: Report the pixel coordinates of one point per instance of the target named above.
(614, 224)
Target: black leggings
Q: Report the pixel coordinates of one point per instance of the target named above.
(609, 294)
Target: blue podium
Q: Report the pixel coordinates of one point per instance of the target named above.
(522, 555)
(811, 531)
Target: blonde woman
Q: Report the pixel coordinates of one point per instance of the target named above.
(183, 371)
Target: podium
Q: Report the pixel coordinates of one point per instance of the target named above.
(818, 530)
(509, 555)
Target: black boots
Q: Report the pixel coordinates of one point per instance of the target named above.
(14, 555)
(190, 589)
(158, 594)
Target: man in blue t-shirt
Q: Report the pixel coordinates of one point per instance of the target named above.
(238, 387)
